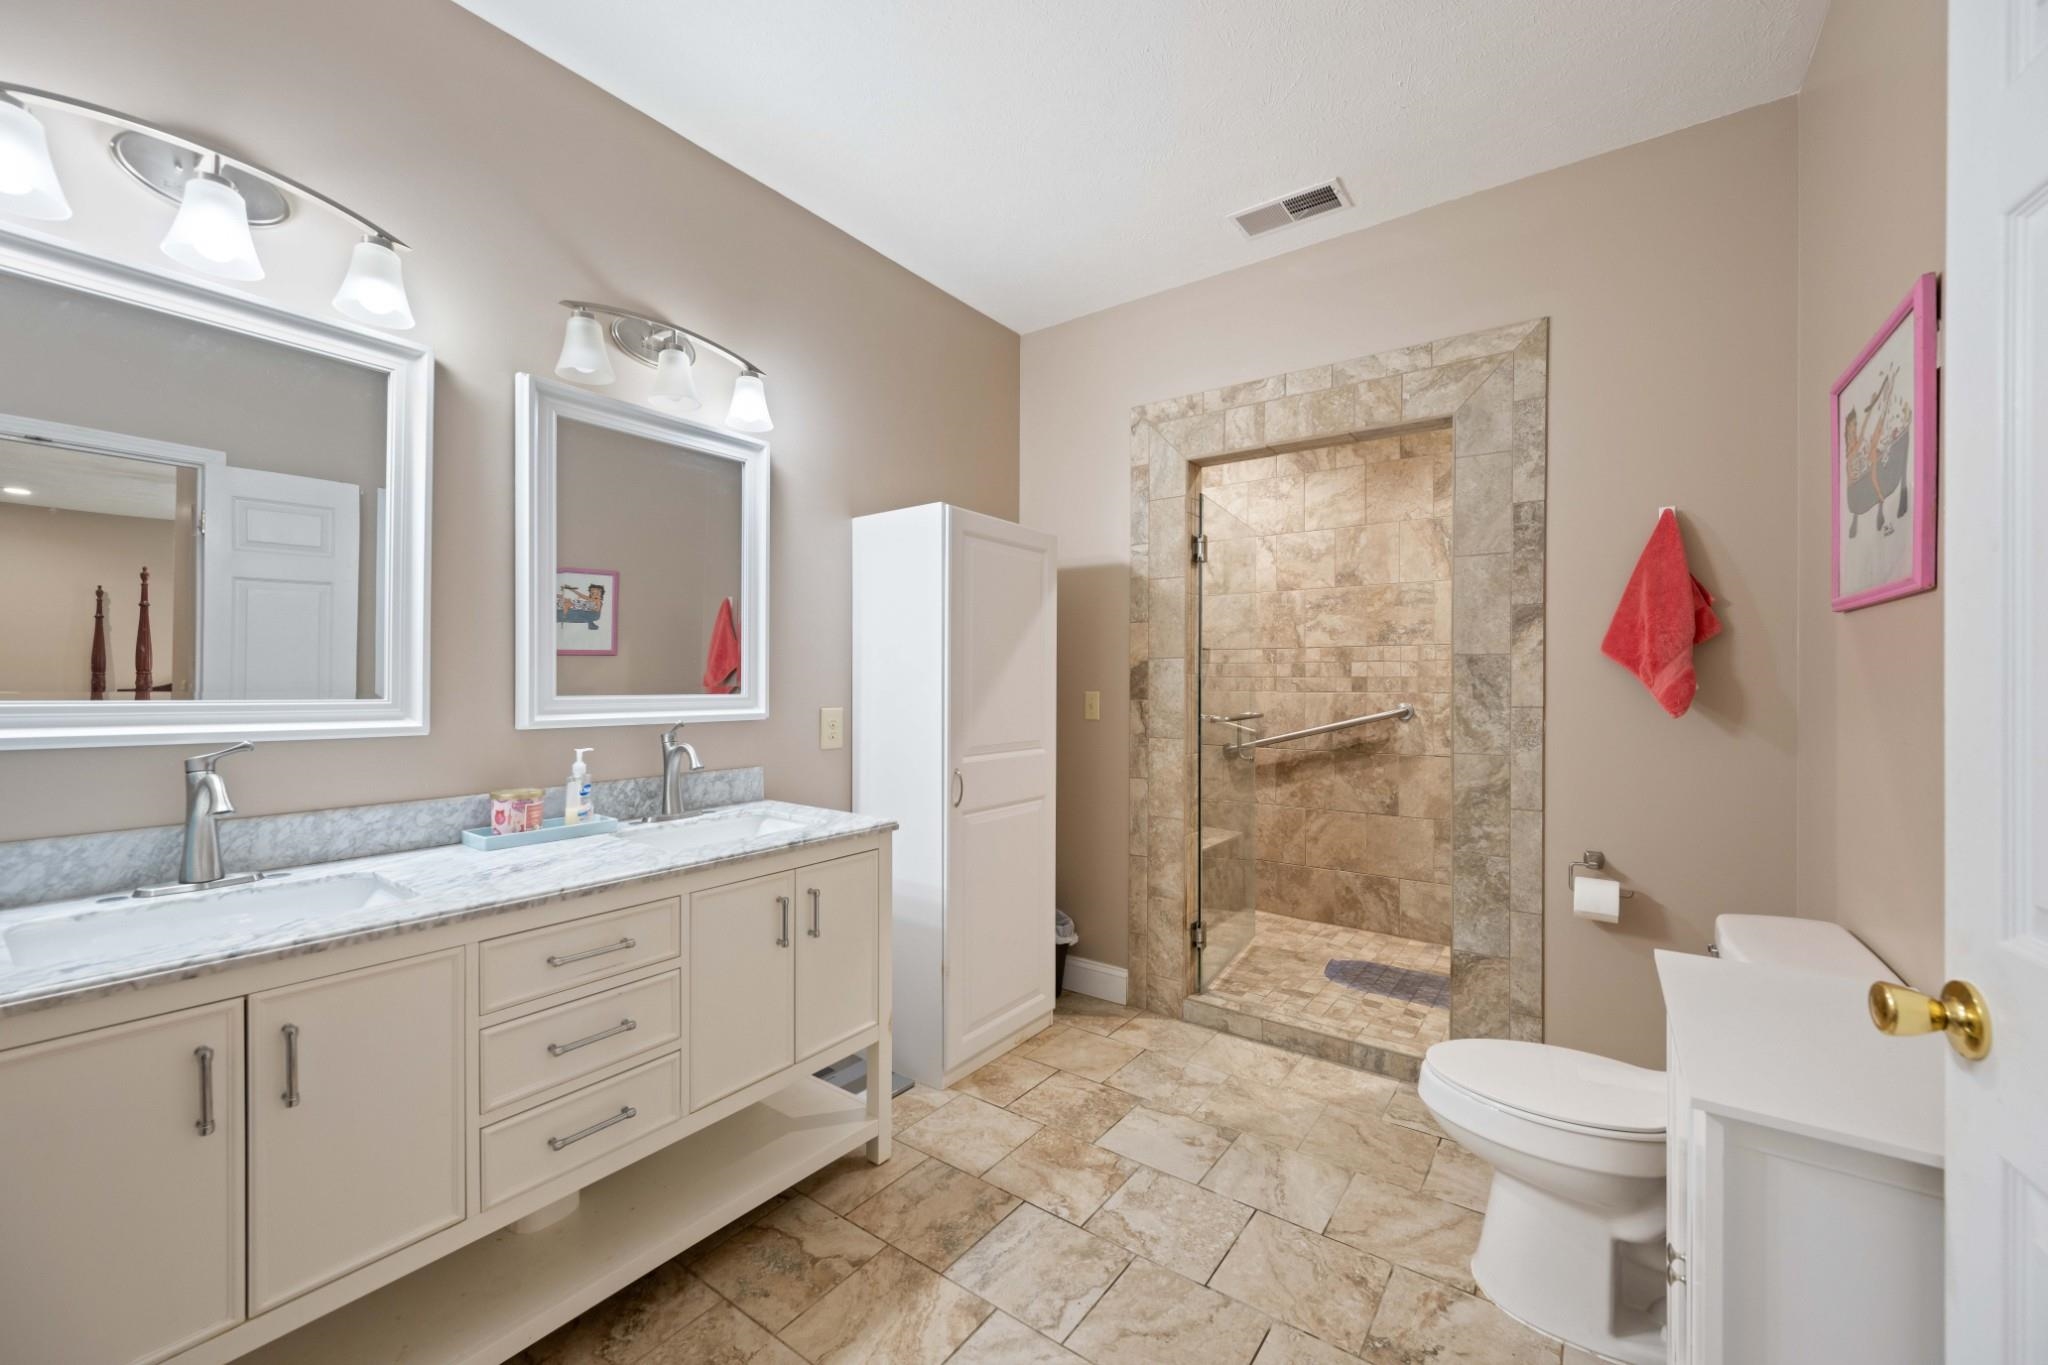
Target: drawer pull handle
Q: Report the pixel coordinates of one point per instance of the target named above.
(783, 940)
(205, 1123)
(816, 930)
(625, 1112)
(623, 1026)
(291, 1066)
(564, 959)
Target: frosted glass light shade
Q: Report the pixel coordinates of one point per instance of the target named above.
(749, 410)
(211, 231)
(373, 291)
(674, 385)
(28, 178)
(583, 358)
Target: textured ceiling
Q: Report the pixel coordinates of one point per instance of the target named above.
(1042, 159)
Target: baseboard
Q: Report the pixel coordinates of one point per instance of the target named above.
(1099, 979)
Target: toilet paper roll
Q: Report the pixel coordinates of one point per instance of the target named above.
(1596, 898)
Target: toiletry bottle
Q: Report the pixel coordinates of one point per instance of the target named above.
(576, 803)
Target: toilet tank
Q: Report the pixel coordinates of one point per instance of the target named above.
(1814, 945)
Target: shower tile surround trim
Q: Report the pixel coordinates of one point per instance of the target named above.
(1491, 387)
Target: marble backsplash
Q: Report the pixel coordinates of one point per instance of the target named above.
(33, 871)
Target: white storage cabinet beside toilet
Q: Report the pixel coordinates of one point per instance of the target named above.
(953, 696)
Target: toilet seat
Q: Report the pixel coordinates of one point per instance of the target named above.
(1578, 1092)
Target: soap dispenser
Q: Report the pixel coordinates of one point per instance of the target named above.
(577, 805)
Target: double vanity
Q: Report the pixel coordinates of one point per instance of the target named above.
(361, 1099)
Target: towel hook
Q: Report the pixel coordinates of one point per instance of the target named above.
(1593, 860)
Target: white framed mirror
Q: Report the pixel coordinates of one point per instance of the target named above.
(642, 564)
(213, 513)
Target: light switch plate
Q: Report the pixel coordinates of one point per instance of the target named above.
(1091, 706)
(832, 727)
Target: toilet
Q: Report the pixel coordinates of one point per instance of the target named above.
(1573, 1243)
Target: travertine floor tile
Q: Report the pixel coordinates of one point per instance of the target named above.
(1061, 1174)
(1286, 1346)
(1245, 1058)
(1334, 1084)
(1325, 1288)
(776, 1353)
(1459, 1176)
(970, 1133)
(853, 1179)
(786, 1261)
(1087, 1012)
(1407, 1109)
(721, 1336)
(1370, 1146)
(1166, 1083)
(1180, 1226)
(1419, 1231)
(629, 1323)
(1421, 1322)
(1075, 1104)
(1168, 1142)
(1255, 1107)
(892, 1311)
(1002, 1340)
(1081, 1052)
(1174, 1037)
(1044, 1271)
(1003, 1079)
(1152, 1316)
(915, 1105)
(1275, 1178)
(934, 1213)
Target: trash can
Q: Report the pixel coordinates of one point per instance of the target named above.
(1064, 936)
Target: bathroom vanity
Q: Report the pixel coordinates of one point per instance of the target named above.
(426, 1106)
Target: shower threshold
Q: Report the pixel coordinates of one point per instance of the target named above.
(1368, 1000)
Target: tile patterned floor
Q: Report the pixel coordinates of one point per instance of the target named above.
(1120, 1188)
(1284, 975)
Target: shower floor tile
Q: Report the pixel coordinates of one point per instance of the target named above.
(1345, 983)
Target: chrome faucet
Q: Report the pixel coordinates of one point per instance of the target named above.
(673, 752)
(206, 800)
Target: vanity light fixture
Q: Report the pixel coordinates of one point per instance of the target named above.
(220, 198)
(670, 350)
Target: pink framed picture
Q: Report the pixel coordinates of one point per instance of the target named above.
(1885, 433)
(586, 611)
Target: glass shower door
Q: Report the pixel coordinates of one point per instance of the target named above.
(1225, 655)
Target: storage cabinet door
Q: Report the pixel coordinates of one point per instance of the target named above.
(742, 985)
(120, 1210)
(355, 1121)
(837, 984)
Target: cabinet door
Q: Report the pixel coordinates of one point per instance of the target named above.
(742, 985)
(355, 1121)
(837, 984)
(120, 1208)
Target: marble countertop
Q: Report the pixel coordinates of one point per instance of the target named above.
(180, 937)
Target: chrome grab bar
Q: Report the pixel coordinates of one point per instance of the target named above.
(1403, 712)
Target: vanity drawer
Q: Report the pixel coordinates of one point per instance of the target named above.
(521, 967)
(531, 1054)
(532, 1148)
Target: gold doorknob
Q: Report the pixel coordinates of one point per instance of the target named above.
(1960, 1013)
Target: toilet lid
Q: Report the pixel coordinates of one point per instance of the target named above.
(1555, 1083)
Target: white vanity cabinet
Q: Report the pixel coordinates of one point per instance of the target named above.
(121, 1172)
(355, 1120)
(838, 970)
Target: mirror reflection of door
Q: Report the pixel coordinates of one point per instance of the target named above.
(279, 573)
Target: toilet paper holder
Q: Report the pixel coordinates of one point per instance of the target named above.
(1593, 860)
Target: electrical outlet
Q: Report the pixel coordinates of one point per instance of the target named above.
(1091, 706)
(832, 727)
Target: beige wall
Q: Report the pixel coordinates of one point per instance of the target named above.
(51, 558)
(1872, 128)
(1667, 270)
(519, 184)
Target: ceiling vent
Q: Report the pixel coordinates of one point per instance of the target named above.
(1327, 197)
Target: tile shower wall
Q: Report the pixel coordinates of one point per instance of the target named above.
(1327, 594)
(1492, 388)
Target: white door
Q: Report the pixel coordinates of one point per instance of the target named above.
(121, 1190)
(279, 574)
(1000, 740)
(355, 1121)
(838, 988)
(1994, 474)
(742, 985)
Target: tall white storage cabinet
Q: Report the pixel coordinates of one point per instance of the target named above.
(953, 714)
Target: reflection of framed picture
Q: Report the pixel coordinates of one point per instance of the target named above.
(586, 611)
(1884, 457)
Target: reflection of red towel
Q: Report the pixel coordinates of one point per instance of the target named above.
(1664, 612)
(722, 660)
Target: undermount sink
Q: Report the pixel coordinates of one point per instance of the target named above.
(699, 831)
(195, 918)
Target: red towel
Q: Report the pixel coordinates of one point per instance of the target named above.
(1664, 612)
(722, 660)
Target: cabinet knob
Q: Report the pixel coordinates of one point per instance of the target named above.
(1960, 1013)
